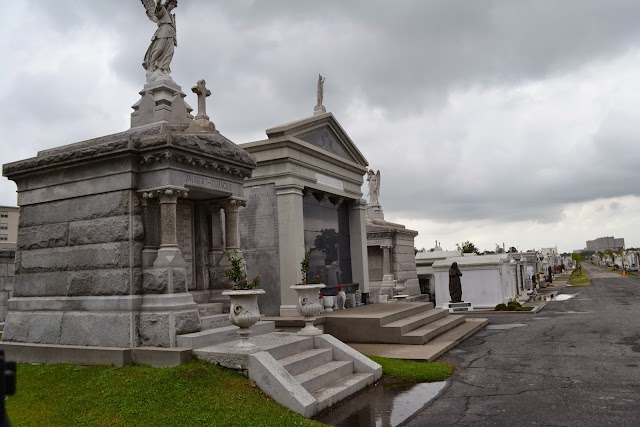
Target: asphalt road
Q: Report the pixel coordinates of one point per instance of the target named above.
(575, 363)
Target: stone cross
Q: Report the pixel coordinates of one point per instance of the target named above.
(201, 90)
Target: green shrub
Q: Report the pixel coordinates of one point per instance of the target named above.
(501, 307)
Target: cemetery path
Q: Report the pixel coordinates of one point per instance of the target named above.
(575, 363)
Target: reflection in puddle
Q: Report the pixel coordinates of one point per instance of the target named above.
(384, 404)
(506, 326)
(563, 297)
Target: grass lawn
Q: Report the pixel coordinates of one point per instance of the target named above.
(578, 279)
(194, 394)
(413, 370)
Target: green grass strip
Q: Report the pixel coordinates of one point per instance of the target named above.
(579, 279)
(193, 394)
(414, 370)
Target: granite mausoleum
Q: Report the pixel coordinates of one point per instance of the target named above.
(118, 234)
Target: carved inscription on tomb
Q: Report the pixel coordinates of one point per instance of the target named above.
(259, 219)
(194, 180)
(184, 228)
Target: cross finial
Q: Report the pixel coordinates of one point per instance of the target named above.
(201, 123)
(201, 90)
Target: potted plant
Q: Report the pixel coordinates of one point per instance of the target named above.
(244, 311)
(308, 304)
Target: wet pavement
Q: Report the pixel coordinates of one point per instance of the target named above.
(573, 364)
(388, 403)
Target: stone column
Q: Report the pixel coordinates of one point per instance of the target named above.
(150, 221)
(358, 237)
(386, 261)
(289, 199)
(231, 223)
(169, 254)
(217, 238)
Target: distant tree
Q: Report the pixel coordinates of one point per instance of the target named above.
(513, 250)
(499, 249)
(468, 248)
(577, 258)
(488, 253)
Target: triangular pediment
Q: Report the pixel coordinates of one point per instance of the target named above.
(323, 132)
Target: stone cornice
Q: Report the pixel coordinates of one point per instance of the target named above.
(206, 150)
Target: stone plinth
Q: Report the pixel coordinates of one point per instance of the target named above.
(162, 101)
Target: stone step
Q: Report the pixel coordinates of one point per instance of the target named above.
(323, 375)
(428, 332)
(211, 308)
(341, 389)
(410, 323)
(214, 321)
(409, 311)
(306, 360)
(291, 349)
(220, 335)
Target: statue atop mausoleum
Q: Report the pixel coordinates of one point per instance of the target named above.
(157, 59)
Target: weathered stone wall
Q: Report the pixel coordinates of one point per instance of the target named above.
(7, 269)
(78, 268)
(404, 261)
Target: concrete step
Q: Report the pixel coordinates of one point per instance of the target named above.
(402, 326)
(417, 298)
(214, 321)
(306, 360)
(429, 351)
(210, 308)
(409, 311)
(428, 332)
(220, 335)
(323, 375)
(341, 389)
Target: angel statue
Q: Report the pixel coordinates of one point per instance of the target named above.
(158, 58)
(374, 186)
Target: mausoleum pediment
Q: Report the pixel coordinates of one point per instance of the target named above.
(324, 132)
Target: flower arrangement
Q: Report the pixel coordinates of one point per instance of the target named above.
(340, 288)
(316, 279)
(236, 275)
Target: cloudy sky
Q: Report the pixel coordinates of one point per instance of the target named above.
(491, 121)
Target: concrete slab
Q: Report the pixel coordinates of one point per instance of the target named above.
(377, 311)
(159, 357)
(428, 352)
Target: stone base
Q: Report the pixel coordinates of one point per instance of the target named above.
(162, 101)
(163, 317)
(78, 355)
(458, 307)
(375, 214)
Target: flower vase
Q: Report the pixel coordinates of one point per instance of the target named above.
(342, 297)
(244, 313)
(309, 306)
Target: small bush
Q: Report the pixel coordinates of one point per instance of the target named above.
(514, 303)
(501, 307)
(524, 308)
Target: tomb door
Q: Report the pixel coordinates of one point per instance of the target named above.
(185, 237)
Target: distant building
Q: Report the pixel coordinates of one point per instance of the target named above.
(604, 243)
(9, 224)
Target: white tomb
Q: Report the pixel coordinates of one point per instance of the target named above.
(487, 280)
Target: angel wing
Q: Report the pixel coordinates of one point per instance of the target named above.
(378, 183)
(150, 7)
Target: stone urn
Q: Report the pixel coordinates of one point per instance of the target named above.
(244, 313)
(309, 306)
(328, 302)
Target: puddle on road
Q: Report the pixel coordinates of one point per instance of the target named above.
(562, 297)
(386, 404)
(506, 326)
